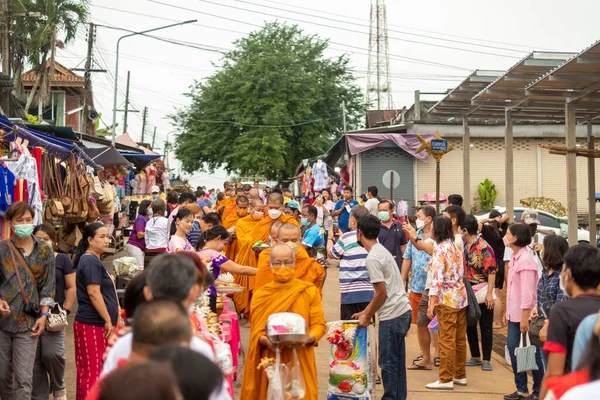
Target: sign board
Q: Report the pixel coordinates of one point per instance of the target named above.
(439, 145)
(391, 179)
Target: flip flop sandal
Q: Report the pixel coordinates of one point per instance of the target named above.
(417, 367)
(417, 359)
(436, 361)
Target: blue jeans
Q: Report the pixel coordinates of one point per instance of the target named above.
(392, 356)
(513, 339)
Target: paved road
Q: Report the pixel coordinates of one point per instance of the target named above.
(482, 385)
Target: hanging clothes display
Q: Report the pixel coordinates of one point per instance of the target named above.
(7, 188)
(142, 184)
(166, 180)
(320, 175)
(26, 168)
(151, 171)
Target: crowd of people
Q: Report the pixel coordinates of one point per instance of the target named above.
(447, 274)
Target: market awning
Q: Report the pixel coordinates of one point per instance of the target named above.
(61, 132)
(106, 156)
(140, 160)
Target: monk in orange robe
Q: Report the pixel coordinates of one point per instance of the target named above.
(284, 294)
(231, 216)
(273, 212)
(307, 268)
(221, 204)
(243, 232)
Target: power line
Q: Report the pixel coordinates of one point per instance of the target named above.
(353, 30)
(389, 30)
(404, 58)
(405, 27)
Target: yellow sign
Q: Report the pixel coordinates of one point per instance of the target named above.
(436, 151)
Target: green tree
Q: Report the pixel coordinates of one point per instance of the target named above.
(58, 17)
(275, 101)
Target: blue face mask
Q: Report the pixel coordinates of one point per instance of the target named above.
(304, 221)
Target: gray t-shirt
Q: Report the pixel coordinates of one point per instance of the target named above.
(383, 268)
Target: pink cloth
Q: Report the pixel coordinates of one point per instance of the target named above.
(234, 339)
(357, 143)
(521, 290)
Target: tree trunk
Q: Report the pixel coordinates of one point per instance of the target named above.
(38, 77)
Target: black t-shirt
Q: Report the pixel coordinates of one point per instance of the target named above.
(63, 266)
(392, 239)
(565, 317)
(90, 271)
(494, 238)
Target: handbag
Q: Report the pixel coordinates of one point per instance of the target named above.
(536, 324)
(525, 355)
(57, 321)
(473, 309)
(30, 308)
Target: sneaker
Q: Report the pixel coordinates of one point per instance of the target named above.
(460, 382)
(486, 366)
(516, 396)
(437, 385)
(474, 362)
(532, 397)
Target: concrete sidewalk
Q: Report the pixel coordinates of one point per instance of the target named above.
(481, 385)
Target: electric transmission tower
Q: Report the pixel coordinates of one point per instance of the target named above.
(379, 87)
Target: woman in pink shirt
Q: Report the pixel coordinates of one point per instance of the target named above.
(521, 297)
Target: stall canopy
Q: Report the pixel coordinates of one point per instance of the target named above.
(106, 156)
(140, 160)
(126, 140)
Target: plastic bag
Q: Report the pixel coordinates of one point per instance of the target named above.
(274, 374)
(126, 266)
(294, 380)
(433, 325)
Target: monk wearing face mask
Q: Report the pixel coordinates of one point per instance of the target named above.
(243, 232)
(283, 294)
(230, 219)
(307, 268)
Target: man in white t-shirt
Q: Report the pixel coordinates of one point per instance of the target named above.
(391, 304)
(173, 277)
(372, 204)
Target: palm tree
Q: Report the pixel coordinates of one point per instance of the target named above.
(57, 17)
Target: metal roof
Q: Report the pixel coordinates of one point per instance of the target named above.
(534, 89)
(458, 100)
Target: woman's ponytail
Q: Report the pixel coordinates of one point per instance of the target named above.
(88, 232)
(211, 234)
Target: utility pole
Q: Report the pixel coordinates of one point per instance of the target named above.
(167, 146)
(126, 103)
(144, 123)
(153, 138)
(87, 99)
(5, 26)
(344, 115)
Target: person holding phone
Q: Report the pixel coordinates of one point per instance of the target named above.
(343, 207)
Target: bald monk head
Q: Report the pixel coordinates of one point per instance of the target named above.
(275, 205)
(239, 192)
(226, 184)
(282, 260)
(253, 193)
(257, 209)
(274, 234)
(229, 192)
(241, 206)
(290, 236)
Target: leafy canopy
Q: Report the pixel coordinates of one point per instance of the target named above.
(275, 101)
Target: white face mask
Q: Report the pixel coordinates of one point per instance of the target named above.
(274, 214)
(420, 223)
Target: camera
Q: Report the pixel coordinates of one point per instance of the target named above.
(32, 309)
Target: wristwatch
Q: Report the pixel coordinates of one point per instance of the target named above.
(417, 239)
(45, 314)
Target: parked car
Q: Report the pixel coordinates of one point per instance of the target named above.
(549, 222)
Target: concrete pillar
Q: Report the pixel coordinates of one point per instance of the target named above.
(508, 167)
(570, 142)
(466, 166)
(417, 105)
(591, 186)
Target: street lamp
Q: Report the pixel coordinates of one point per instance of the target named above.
(114, 121)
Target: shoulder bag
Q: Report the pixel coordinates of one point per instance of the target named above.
(536, 324)
(30, 308)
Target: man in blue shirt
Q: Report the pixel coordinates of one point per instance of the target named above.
(313, 236)
(342, 209)
(200, 200)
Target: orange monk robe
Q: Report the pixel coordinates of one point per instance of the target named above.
(243, 232)
(224, 203)
(307, 269)
(230, 219)
(262, 231)
(297, 297)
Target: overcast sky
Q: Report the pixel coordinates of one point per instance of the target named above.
(161, 72)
